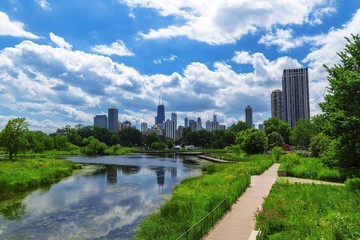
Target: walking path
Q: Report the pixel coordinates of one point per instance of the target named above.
(239, 222)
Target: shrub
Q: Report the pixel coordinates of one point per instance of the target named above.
(353, 184)
(276, 153)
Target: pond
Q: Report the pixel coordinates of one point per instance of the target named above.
(105, 204)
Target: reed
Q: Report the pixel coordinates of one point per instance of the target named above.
(24, 174)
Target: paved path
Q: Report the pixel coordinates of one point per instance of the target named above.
(240, 221)
(310, 181)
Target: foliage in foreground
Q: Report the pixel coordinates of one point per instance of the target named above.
(310, 168)
(24, 174)
(304, 211)
(195, 197)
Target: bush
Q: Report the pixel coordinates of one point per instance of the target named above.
(276, 153)
(289, 160)
(353, 184)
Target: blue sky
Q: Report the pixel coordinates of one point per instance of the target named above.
(62, 62)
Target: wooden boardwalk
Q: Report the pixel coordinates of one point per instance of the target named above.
(239, 222)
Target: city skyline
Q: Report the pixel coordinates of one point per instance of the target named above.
(68, 61)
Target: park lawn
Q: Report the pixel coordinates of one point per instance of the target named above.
(309, 211)
(196, 197)
(23, 174)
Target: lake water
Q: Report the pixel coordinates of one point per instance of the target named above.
(108, 204)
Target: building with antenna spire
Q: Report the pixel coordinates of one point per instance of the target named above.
(160, 117)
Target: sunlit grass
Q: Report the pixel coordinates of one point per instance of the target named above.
(308, 211)
(23, 174)
(195, 197)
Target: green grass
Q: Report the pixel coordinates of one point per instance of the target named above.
(24, 174)
(195, 197)
(308, 211)
(310, 168)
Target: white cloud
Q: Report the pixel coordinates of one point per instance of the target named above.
(116, 48)
(283, 38)
(13, 28)
(44, 4)
(242, 57)
(60, 42)
(222, 22)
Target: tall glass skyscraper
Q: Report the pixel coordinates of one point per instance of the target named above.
(295, 86)
(160, 117)
(249, 116)
(113, 119)
(100, 121)
(277, 104)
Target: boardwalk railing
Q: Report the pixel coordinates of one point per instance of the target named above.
(202, 227)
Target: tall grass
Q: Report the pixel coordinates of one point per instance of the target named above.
(195, 197)
(310, 168)
(304, 211)
(23, 174)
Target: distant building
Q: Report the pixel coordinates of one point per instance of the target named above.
(113, 119)
(222, 127)
(174, 118)
(199, 124)
(214, 118)
(144, 127)
(155, 129)
(160, 117)
(214, 125)
(249, 116)
(208, 126)
(295, 87)
(193, 125)
(180, 131)
(277, 104)
(261, 126)
(186, 122)
(100, 121)
(170, 130)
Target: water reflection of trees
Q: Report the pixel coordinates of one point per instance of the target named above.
(129, 169)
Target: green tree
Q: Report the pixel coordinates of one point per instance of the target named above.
(341, 107)
(152, 137)
(131, 137)
(158, 146)
(275, 139)
(239, 126)
(252, 141)
(302, 133)
(274, 124)
(39, 141)
(13, 136)
(319, 144)
(93, 146)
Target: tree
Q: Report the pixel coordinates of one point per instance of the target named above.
(319, 144)
(302, 133)
(274, 124)
(131, 137)
(239, 126)
(39, 141)
(252, 141)
(341, 107)
(13, 136)
(275, 139)
(93, 146)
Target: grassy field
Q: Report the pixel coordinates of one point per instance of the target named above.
(308, 211)
(23, 174)
(195, 197)
(310, 168)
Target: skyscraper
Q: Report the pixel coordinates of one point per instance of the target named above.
(113, 119)
(295, 84)
(160, 117)
(249, 116)
(276, 104)
(144, 127)
(199, 124)
(100, 121)
(186, 122)
(170, 130)
(174, 119)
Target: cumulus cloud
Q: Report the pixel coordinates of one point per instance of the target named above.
(13, 28)
(116, 48)
(223, 22)
(60, 42)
